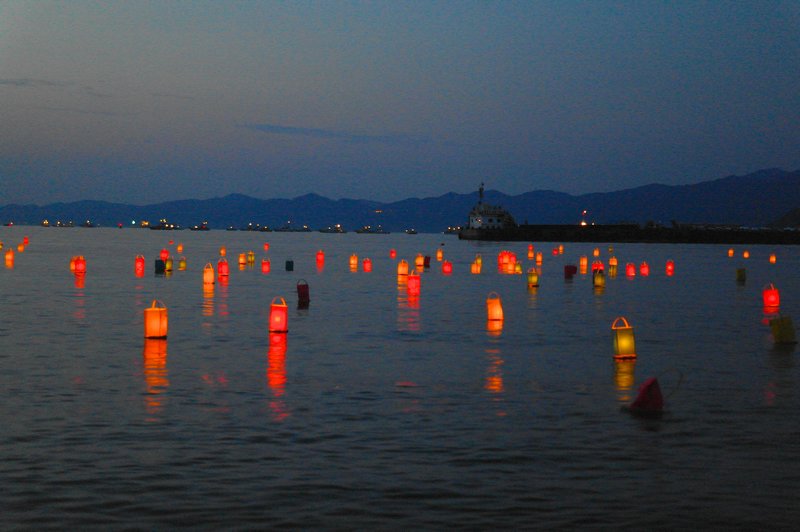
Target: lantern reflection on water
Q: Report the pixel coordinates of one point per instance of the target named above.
(599, 279)
(624, 378)
(155, 320)
(155, 372)
(276, 363)
(624, 342)
(278, 316)
(782, 330)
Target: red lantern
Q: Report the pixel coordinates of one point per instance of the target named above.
(164, 254)
(155, 321)
(25, 241)
(138, 265)
(80, 265)
(367, 264)
(644, 269)
(265, 266)
(278, 316)
(392, 253)
(320, 256)
(413, 285)
(222, 267)
(771, 296)
(303, 297)
(266, 246)
(670, 268)
(630, 269)
(447, 267)
(597, 266)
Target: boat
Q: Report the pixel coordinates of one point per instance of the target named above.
(369, 230)
(337, 228)
(164, 225)
(411, 231)
(201, 227)
(289, 228)
(494, 223)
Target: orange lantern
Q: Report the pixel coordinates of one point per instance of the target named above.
(402, 268)
(414, 284)
(730, 252)
(475, 268)
(392, 253)
(538, 258)
(242, 259)
(21, 248)
(366, 264)
(222, 267)
(138, 265)
(208, 274)
(278, 316)
(439, 255)
(773, 259)
(644, 269)
(624, 342)
(419, 262)
(179, 249)
(494, 307)
(10, 258)
(494, 327)
(746, 254)
(155, 320)
(353, 262)
(596, 252)
(771, 296)
(630, 269)
(164, 254)
(265, 266)
(583, 265)
(222, 251)
(447, 267)
(670, 268)
(561, 249)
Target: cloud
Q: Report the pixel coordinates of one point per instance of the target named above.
(336, 135)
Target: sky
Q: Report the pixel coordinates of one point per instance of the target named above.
(141, 102)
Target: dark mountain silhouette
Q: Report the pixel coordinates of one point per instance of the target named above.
(758, 199)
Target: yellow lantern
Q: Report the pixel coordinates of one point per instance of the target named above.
(624, 343)
(494, 307)
(599, 279)
(242, 259)
(182, 264)
(251, 257)
(168, 264)
(155, 320)
(208, 274)
(478, 259)
(533, 278)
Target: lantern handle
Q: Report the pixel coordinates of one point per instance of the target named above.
(624, 321)
(301, 281)
(496, 295)
(156, 301)
(282, 302)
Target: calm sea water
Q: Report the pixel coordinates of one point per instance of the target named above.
(384, 413)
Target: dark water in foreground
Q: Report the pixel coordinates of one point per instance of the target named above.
(381, 413)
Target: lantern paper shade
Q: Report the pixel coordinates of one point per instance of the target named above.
(208, 274)
(447, 267)
(533, 277)
(402, 268)
(155, 320)
(164, 254)
(644, 269)
(773, 259)
(494, 307)
(670, 268)
(222, 268)
(354, 262)
(771, 296)
(419, 262)
(265, 266)
(320, 256)
(475, 267)
(624, 343)
(278, 316)
(630, 269)
(413, 285)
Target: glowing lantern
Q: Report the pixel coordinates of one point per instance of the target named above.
(533, 278)
(164, 254)
(392, 253)
(475, 268)
(168, 264)
(80, 265)
(771, 296)
(624, 343)
(155, 321)
(179, 249)
(320, 256)
(479, 259)
(182, 264)
(138, 265)
(366, 264)
(265, 266)
(538, 258)
(413, 285)
(353, 262)
(402, 268)
(208, 274)
(531, 254)
(730, 252)
(746, 254)
(447, 267)
(10, 258)
(630, 269)
(494, 307)
(596, 252)
(599, 279)
(782, 330)
(303, 297)
(419, 262)
(266, 246)
(612, 261)
(278, 316)
(670, 268)
(773, 259)
(583, 265)
(80, 280)
(439, 255)
(494, 327)
(222, 267)
(561, 249)
(597, 266)
(171, 242)
(21, 247)
(555, 251)
(222, 251)
(242, 259)
(25, 241)
(644, 269)
(71, 260)
(251, 257)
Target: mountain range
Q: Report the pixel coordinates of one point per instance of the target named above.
(758, 199)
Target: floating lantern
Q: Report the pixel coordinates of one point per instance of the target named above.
(155, 320)
(741, 275)
(771, 296)
(570, 270)
(478, 259)
(222, 267)
(538, 258)
(746, 254)
(251, 257)
(208, 274)
(561, 249)
(168, 264)
(426, 261)
(494, 307)
(518, 268)
(402, 268)
(10, 259)
(265, 266)
(222, 251)
(182, 264)
(555, 251)
(439, 255)
(320, 256)
(353, 262)
(392, 253)
(21, 248)
(266, 246)
(531, 254)
(612, 261)
(447, 267)
(419, 262)
(596, 252)
(171, 242)
(650, 401)
(730, 252)
(80, 280)
(71, 260)
(630, 269)
(670, 268)
(278, 316)
(289, 265)
(164, 254)
(366, 264)
(25, 241)
(782, 330)
(80, 265)
(494, 327)
(597, 266)
(583, 264)
(624, 343)
(179, 249)
(644, 269)
(413, 285)
(475, 268)
(242, 259)
(773, 259)
(160, 267)
(138, 265)
(533, 278)
(599, 279)
(303, 297)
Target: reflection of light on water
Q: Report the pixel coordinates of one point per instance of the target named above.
(276, 374)
(79, 312)
(494, 377)
(408, 317)
(208, 300)
(155, 374)
(624, 379)
(222, 308)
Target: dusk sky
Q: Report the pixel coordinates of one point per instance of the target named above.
(142, 102)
